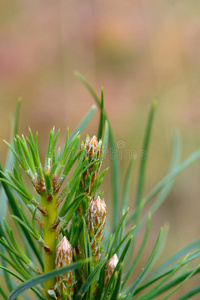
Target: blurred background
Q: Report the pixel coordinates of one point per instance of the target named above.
(138, 51)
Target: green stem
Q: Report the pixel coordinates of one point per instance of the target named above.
(49, 237)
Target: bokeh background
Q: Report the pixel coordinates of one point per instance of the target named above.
(138, 51)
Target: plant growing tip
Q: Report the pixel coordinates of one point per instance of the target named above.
(109, 269)
(96, 219)
(68, 219)
(64, 287)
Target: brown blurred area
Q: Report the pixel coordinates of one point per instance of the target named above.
(138, 51)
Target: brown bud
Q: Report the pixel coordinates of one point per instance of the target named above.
(91, 146)
(64, 253)
(64, 257)
(93, 160)
(96, 218)
(109, 269)
(96, 214)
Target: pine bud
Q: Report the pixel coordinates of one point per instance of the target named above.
(65, 282)
(93, 147)
(93, 152)
(96, 218)
(93, 157)
(109, 269)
